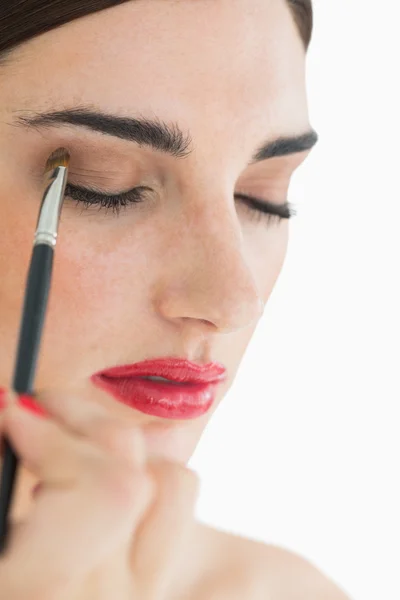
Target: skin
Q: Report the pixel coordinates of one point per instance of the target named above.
(121, 291)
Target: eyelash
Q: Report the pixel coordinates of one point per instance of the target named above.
(260, 209)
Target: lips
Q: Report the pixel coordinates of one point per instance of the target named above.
(174, 369)
(188, 393)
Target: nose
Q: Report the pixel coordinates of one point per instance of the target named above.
(207, 275)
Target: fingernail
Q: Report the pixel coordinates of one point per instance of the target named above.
(3, 394)
(29, 404)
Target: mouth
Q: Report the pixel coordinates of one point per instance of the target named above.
(171, 388)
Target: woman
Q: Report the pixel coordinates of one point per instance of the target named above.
(183, 120)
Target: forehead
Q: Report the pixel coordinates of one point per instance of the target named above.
(232, 63)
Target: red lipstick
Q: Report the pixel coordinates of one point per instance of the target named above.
(186, 390)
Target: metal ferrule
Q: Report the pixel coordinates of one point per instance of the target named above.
(50, 211)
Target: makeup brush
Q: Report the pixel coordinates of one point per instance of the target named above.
(33, 314)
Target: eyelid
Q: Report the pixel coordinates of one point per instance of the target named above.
(90, 198)
(94, 190)
(266, 205)
(275, 208)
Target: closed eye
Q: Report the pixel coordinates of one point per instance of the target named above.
(90, 197)
(269, 210)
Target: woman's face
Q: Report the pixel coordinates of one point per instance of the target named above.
(185, 273)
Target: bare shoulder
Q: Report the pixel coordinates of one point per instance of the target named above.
(289, 576)
(245, 568)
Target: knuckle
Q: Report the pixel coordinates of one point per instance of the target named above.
(178, 480)
(190, 483)
(186, 480)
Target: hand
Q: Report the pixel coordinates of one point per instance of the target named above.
(108, 522)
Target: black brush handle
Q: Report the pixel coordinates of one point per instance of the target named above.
(34, 311)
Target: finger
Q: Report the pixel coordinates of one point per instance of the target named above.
(89, 505)
(44, 446)
(86, 418)
(163, 534)
(72, 408)
(57, 456)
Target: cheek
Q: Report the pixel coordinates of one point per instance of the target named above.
(96, 297)
(95, 293)
(266, 253)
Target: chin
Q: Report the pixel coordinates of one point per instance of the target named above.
(175, 443)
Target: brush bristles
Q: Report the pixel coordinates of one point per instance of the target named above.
(59, 158)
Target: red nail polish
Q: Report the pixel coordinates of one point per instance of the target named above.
(29, 404)
(3, 393)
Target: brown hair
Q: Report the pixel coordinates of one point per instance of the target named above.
(21, 20)
(303, 15)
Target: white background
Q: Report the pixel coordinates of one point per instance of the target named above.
(310, 458)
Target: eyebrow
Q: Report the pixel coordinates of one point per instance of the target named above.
(155, 133)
